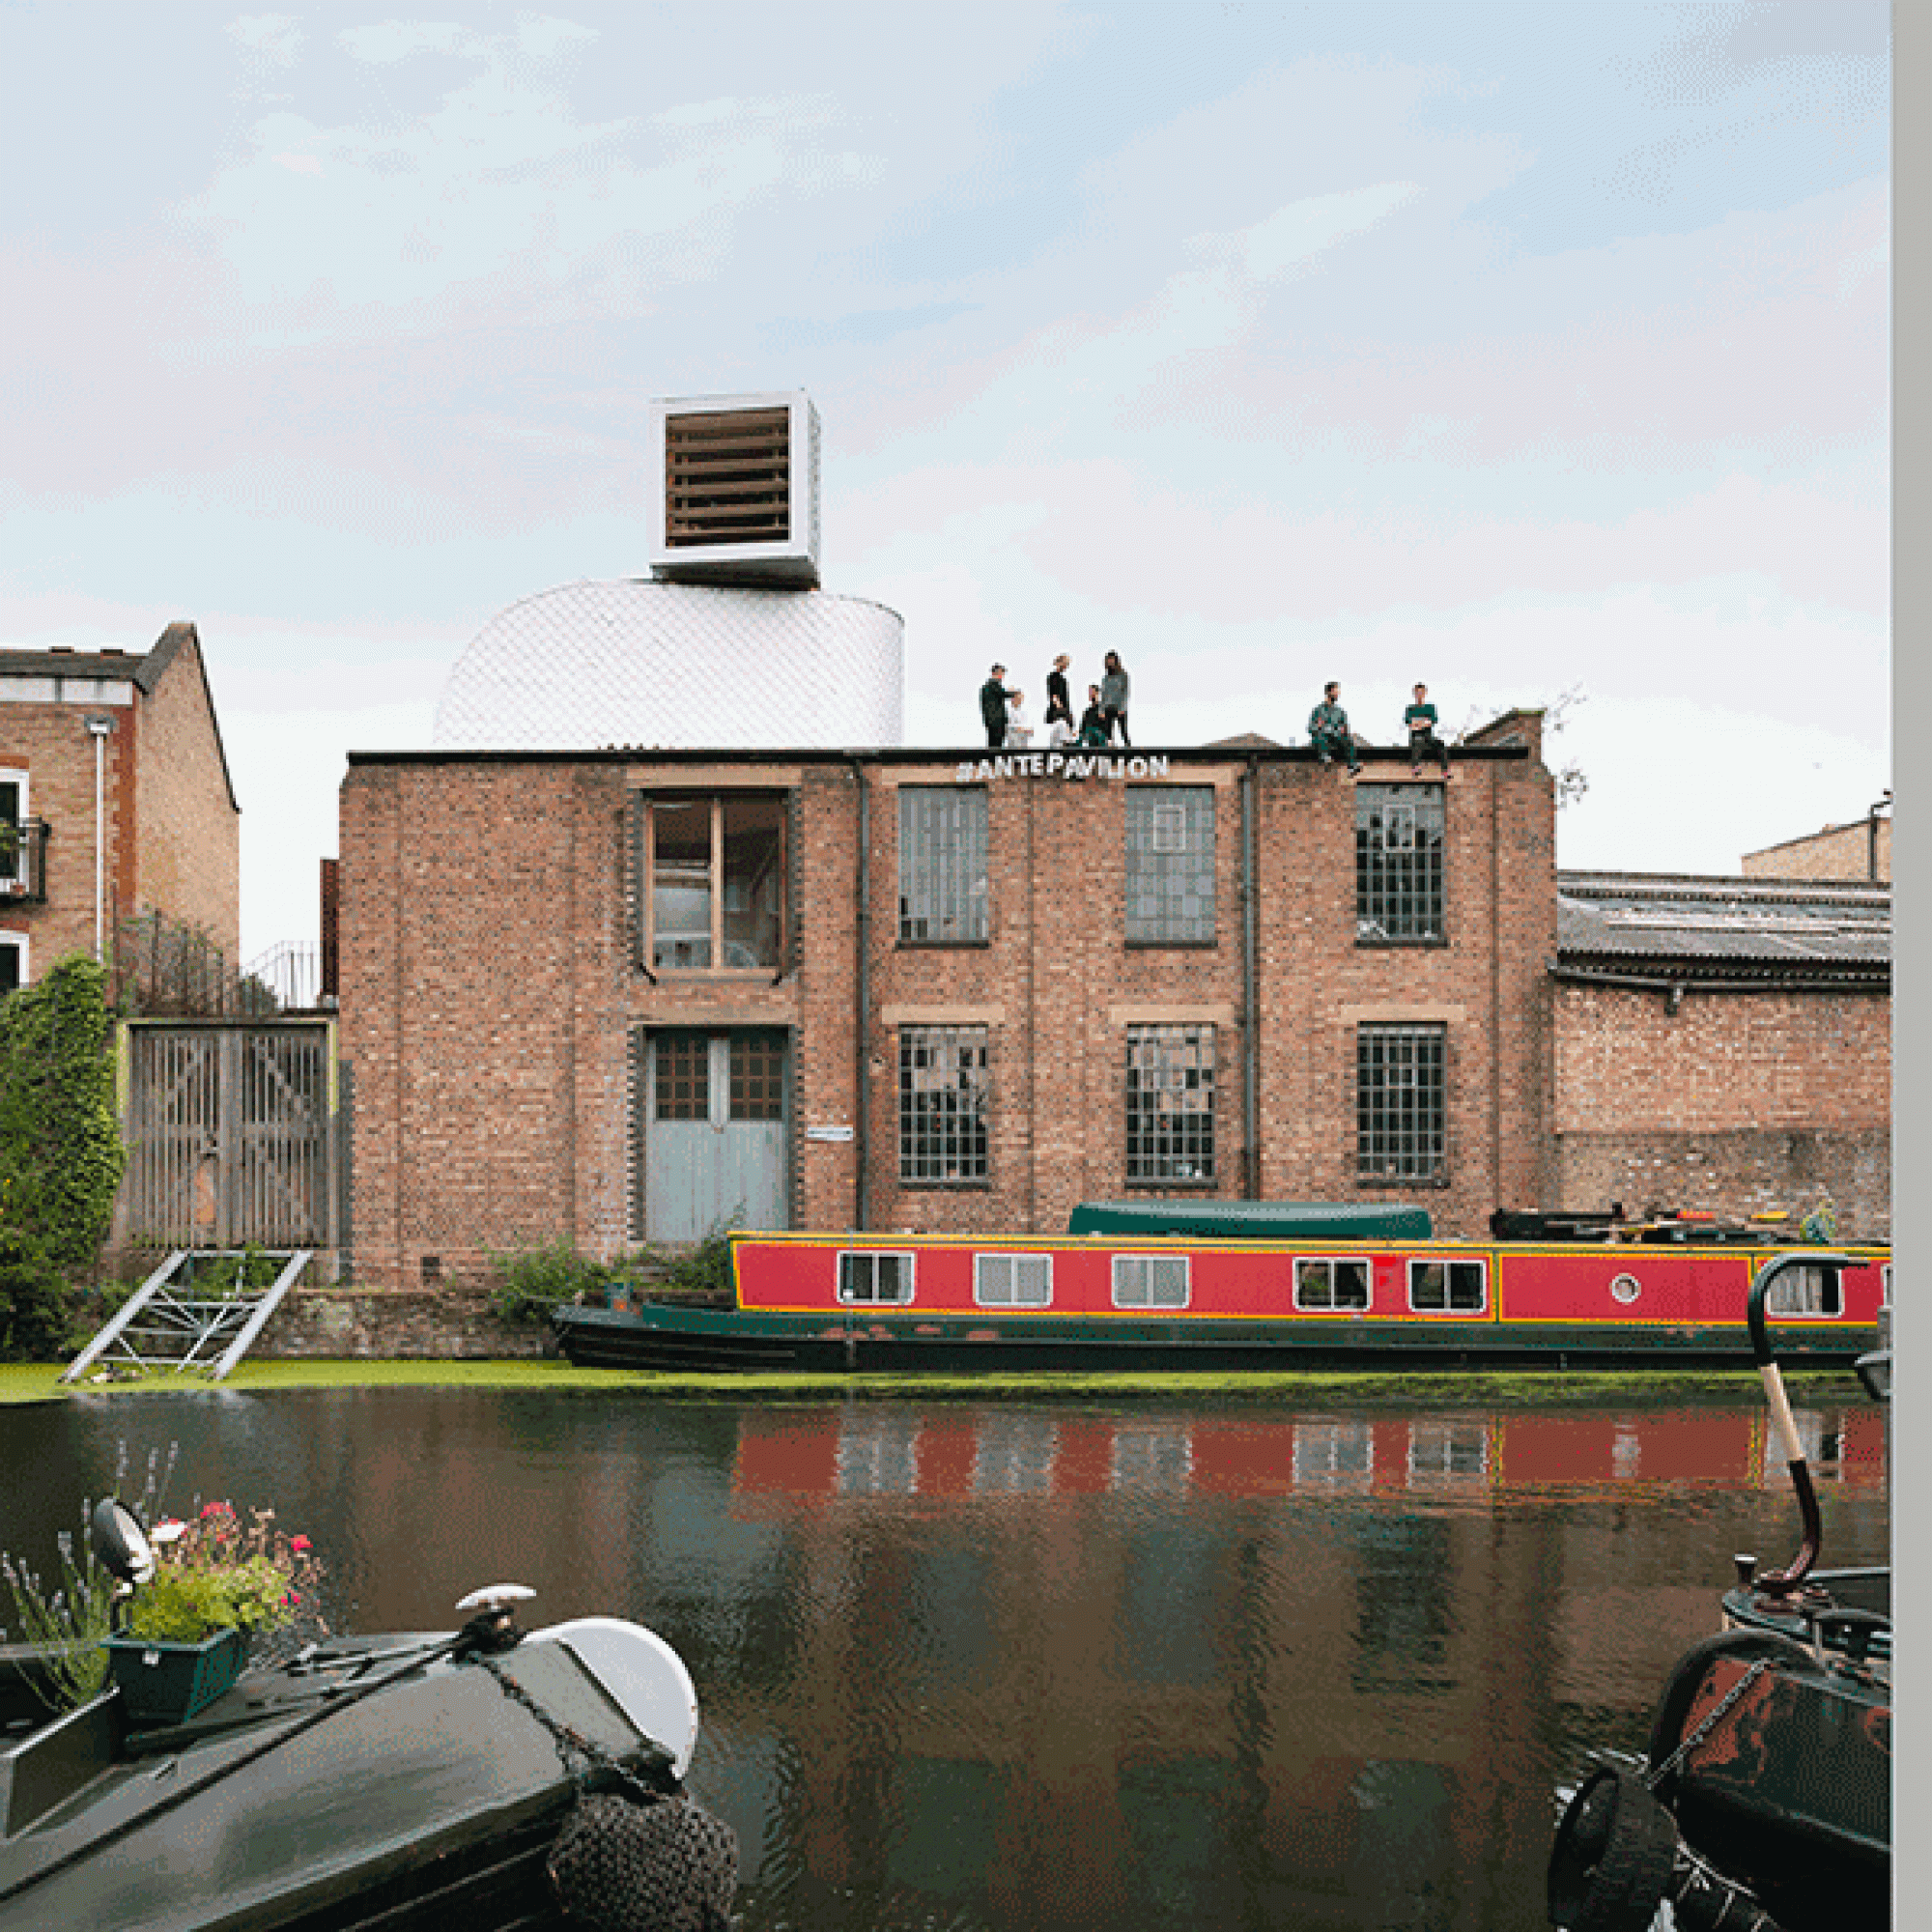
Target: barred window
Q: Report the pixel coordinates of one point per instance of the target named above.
(1398, 861)
(1170, 865)
(1400, 1103)
(944, 1088)
(874, 1277)
(1331, 1283)
(1448, 1285)
(942, 865)
(1151, 1281)
(1170, 1104)
(1013, 1281)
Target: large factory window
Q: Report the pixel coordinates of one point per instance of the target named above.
(1170, 1104)
(942, 864)
(1170, 865)
(943, 1094)
(1400, 1102)
(715, 874)
(1398, 863)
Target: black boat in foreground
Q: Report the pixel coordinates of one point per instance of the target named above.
(1765, 1801)
(485, 1778)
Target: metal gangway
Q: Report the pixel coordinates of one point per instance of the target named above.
(165, 1325)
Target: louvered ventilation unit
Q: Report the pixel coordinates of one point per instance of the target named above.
(740, 491)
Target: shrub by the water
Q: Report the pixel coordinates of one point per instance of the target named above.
(532, 1281)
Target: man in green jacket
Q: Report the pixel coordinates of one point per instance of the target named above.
(1328, 730)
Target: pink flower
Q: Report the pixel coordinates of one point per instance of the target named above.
(298, 1544)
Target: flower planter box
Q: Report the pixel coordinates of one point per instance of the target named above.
(168, 1683)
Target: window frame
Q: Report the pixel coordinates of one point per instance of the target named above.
(1184, 1262)
(20, 946)
(983, 1299)
(1447, 1263)
(1377, 887)
(716, 882)
(908, 1259)
(1148, 1149)
(946, 1039)
(1330, 1263)
(1196, 862)
(973, 912)
(1382, 1154)
(1821, 1279)
(15, 870)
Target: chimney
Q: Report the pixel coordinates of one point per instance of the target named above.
(740, 491)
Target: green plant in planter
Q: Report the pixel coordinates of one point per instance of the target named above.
(217, 1572)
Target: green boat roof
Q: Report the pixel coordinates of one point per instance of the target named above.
(1255, 1220)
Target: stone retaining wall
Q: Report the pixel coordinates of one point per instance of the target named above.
(394, 1324)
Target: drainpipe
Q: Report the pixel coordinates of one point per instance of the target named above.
(861, 997)
(1251, 1033)
(98, 727)
(1871, 835)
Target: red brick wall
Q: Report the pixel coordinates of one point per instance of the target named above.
(490, 995)
(188, 861)
(1742, 1101)
(52, 744)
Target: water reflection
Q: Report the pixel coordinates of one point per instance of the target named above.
(1091, 1666)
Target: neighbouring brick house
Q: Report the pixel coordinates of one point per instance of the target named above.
(618, 996)
(113, 772)
(1724, 1043)
(1858, 850)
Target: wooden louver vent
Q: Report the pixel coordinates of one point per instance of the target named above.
(728, 478)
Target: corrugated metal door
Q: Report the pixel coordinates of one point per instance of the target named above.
(230, 1136)
(714, 1129)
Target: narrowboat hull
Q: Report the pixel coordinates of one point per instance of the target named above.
(670, 1338)
(315, 1797)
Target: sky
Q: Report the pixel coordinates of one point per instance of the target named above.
(1537, 353)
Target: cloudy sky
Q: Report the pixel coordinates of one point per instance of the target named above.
(1538, 352)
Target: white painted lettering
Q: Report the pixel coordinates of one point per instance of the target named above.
(1137, 768)
(1157, 767)
(1054, 762)
(985, 770)
(1036, 764)
(1003, 768)
(964, 775)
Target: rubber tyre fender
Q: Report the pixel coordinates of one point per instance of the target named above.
(1611, 1867)
(1680, 1690)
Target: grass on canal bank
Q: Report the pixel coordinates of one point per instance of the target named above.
(1645, 1387)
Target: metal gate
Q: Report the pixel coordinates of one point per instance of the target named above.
(231, 1132)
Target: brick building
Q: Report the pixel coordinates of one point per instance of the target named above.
(114, 793)
(1860, 849)
(618, 996)
(1723, 1044)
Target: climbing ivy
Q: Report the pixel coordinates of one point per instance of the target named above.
(60, 1145)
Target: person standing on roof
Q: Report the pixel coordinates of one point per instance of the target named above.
(1328, 730)
(1059, 700)
(993, 708)
(1115, 690)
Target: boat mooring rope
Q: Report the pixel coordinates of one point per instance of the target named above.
(632, 1857)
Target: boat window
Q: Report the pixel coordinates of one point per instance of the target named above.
(1339, 1283)
(1459, 1286)
(1151, 1281)
(1805, 1289)
(874, 1277)
(1013, 1281)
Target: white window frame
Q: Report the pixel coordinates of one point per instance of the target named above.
(1127, 1267)
(1447, 1305)
(1331, 1262)
(20, 945)
(1029, 1281)
(907, 1275)
(13, 871)
(1818, 1283)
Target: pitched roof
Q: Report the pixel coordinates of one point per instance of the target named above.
(1723, 928)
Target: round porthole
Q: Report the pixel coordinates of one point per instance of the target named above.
(1626, 1287)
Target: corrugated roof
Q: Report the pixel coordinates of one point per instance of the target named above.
(1723, 925)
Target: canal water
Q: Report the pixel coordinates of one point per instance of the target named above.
(1022, 1666)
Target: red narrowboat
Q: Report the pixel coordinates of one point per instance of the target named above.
(1140, 1286)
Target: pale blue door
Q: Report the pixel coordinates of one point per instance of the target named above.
(714, 1132)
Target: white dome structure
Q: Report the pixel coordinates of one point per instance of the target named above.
(593, 665)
